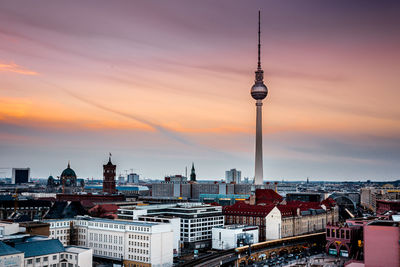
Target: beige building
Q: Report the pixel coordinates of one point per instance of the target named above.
(277, 221)
(369, 195)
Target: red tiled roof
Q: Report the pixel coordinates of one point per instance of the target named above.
(267, 196)
(329, 203)
(304, 205)
(241, 208)
(287, 210)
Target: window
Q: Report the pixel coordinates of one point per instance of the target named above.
(37, 259)
(45, 258)
(54, 257)
(29, 261)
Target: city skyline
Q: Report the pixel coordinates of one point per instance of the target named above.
(162, 85)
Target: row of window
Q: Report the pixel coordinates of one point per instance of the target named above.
(138, 258)
(203, 219)
(105, 246)
(58, 224)
(139, 237)
(65, 231)
(54, 257)
(138, 244)
(194, 225)
(137, 250)
(105, 238)
(122, 227)
(107, 253)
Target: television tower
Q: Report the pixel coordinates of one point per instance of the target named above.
(259, 91)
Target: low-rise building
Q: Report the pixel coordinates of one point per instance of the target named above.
(41, 251)
(282, 220)
(233, 236)
(10, 257)
(137, 243)
(60, 229)
(175, 224)
(381, 243)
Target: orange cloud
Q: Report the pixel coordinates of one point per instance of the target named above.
(12, 67)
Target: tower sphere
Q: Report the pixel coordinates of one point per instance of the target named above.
(259, 91)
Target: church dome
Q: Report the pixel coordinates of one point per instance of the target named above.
(68, 172)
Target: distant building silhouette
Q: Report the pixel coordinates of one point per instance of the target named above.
(109, 177)
(193, 174)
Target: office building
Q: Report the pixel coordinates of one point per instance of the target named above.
(20, 175)
(137, 243)
(197, 220)
(133, 178)
(233, 176)
(175, 224)
(193, 190)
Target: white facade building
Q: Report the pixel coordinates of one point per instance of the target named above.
(137, 243)
(233, 175)
(197, 220)
(9, 228)
(175, 224)
(273, 222)
(10, 257)
(39, 251)
(60, 229)
(233, 236)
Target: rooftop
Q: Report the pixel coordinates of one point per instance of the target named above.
(134, 223)
(236, 226)
(384, 223)
(76, 249)
(35, 248)
(7, 250)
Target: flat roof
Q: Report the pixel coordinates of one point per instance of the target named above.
(384, 223)
(236, 226)
(76, 249)
(134, 223)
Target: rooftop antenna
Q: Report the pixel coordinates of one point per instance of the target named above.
(259, 41)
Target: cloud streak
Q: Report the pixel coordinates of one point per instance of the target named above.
(163, 130)
(15, 68)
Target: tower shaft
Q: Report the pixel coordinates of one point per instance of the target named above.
(258, 175)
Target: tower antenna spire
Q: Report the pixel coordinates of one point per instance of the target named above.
(259, 40)
(259, 91)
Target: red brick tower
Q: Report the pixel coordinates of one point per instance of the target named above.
(109, 177)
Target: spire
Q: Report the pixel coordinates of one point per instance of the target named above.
(192, 174)
(259, 71)
(109, 158)
(259, 41)
(69, 165)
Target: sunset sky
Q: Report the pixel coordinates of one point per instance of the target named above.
(162, 84)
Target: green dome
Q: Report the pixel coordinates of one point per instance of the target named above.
(68, 172)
